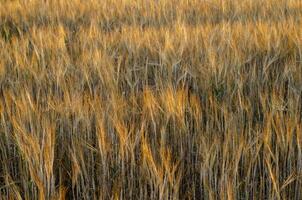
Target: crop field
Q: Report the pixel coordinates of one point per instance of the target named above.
(150, 99)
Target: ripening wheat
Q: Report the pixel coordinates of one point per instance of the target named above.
(151, 99)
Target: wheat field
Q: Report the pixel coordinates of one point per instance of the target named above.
(151, 99)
